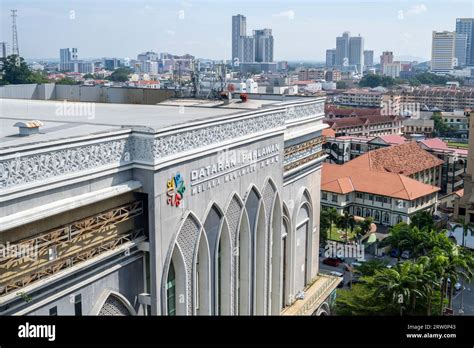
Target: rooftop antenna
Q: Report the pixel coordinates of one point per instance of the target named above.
(15, 50)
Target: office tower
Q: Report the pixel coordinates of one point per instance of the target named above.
(239, 29)
(466, 26)
(392, 69)
(150, 55)
(460, 49)
(442, 51)
(342, 49)
(385, 58)
(3, 50)
(263, 45)
(330, 57)
(368, 58)
(247, 49)
(356, 52)
(64, 58)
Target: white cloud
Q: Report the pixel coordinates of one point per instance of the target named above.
(417, 9)
(290, 14)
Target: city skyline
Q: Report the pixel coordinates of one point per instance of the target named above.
(401, 26)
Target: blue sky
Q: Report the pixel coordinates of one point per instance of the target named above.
(302, 29)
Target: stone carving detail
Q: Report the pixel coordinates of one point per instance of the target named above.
(185, 141)
(187, 241)
(268, 197)
(31, 168)
(233, 215)
(303, 111)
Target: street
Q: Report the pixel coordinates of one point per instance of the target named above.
(467, 296)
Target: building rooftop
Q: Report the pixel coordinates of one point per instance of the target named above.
(407, 159)
(346, 178)
(75, 119)
(349, 112)
(392, 139)
(359, 121)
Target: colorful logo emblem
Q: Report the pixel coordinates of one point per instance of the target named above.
(175, 190)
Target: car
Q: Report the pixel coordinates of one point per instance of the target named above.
(394, 253)
(406, 255)
(389, 266)
(331, 261)
(336, 274)
(457, 286)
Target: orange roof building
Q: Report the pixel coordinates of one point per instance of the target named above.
(389, 184)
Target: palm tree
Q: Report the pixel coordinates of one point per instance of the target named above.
(401, 284)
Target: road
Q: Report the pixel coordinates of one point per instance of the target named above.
(467, 296)
(326, 268)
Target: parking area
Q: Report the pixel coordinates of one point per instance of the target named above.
(341, 268)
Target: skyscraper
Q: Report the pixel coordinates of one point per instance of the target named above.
(3, 50)
(368, 58)
(460, 49)
(330, 57)
(64, 58)
(442, 51)
(263, 45)
(385, 58)
(356, 52)
(466, 26)
(342, 49)
(247, 49)
(239, 28)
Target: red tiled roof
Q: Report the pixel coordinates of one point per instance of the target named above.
(344, 178)
(393, 139)
(359, 121)
(332, 109)
(328, 132)
(407, 159)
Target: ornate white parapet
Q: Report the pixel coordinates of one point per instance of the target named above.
(44, 163)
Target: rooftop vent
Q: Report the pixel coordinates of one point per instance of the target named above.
(28, 127)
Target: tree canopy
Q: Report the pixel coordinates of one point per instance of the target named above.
(14, 70)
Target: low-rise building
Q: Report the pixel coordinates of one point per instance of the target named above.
(413, 126)
(389, 198)
(368, 125)
(361, 98)
(454, 166)
(446, 99)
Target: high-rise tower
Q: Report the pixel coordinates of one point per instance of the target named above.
(14, 34)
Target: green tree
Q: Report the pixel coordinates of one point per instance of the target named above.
(341, 85)
(88, 76)
(120, 74)
(324, 226)
(67, 81)
(440, 127)
(422, 220)
(14, 70)
(369, 267)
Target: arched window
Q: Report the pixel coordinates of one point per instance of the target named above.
(386, 218)
(358, 211)
(377, 215)
(367, 213)
(399, 219)
(171, 290)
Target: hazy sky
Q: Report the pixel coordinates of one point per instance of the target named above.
(302, 29)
